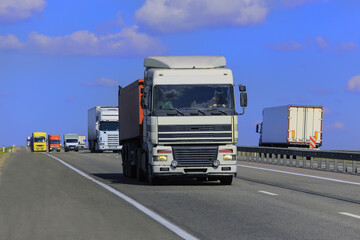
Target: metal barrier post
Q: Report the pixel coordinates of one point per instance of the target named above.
(336, 165)
(267, 159)
(284, 159)
(278, 159)
(304, 162)
(320, 163)
(311, 162)
(345, 166)
(291, 160)
(262, 157)
(354, 167)
(327, 165)
(248, 157)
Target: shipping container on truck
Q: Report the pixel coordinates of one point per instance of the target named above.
(291, 126)
(180, 120)
(39, 142)
(54, 143)
(82, 141)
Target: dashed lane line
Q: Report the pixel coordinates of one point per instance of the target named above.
(268, 193)
(350, 215)
(299, 174)
(172, 227)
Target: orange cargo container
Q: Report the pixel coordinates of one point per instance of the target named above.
(54, 143)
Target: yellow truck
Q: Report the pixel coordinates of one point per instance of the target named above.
(39, 142)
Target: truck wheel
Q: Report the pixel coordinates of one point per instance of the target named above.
(226, 180)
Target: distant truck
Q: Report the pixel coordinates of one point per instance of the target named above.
(28, 141)
(39, 142)
(71, 142)
(82, 141)
(291, 126)
(180, 120)
(54, 143)
(103, 132)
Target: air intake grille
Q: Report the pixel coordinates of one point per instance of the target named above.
(195, 156)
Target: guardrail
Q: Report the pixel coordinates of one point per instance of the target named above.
(335, 161)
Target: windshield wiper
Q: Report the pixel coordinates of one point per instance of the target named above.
(177, 111)
(218, 110)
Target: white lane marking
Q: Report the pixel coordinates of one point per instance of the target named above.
(172, 227)
(268, 193)
(299, 174)
(350, 215)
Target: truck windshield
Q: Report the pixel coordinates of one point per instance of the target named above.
(109, 126)
(71, 140)
(203, 97)
(39, 139)
(55, 141)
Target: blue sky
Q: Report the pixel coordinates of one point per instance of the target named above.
(60, 58)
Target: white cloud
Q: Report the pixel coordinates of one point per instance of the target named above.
(10, 42)
(14, 10)
(337, 125)
(103, 82)
(168, 16)
(353, 84)
(321, 42)
(349, 46)
(286, 46)
(128, 42)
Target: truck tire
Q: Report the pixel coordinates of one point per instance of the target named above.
(226, 180)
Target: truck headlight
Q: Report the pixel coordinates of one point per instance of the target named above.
(162, 158)
(229, 157)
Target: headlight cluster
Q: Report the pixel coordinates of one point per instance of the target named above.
(229, 157)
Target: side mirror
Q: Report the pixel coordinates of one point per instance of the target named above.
(257, 128)
(242, 88)
(144, 100)
(243, 99)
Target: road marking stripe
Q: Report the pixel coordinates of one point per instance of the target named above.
(299, 174)
(350, 215)
(172, 227)
(268, 193)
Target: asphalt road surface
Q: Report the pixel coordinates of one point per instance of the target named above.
(85, 196)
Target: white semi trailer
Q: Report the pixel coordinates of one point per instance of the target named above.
(103, 129)
(291, 126)
(180, 120)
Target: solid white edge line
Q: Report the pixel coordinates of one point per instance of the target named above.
(299, 174)
(350, 215)
(175, 229)
(268, 193)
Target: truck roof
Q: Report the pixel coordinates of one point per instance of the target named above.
(185, 61)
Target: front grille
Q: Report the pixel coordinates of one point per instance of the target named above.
(113, 139)
(195, 156)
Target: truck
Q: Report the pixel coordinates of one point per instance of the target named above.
(71, 142)
(103, 132)
(54, 143)
(297, 126)
(82, 141)
(180, 120)
(28, 141)
(39, 142)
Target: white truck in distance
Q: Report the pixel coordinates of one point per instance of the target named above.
(291, 126)
(180, 120)
(82, 141)
(103, 129)
(71, 142)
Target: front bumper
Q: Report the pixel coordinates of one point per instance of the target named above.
(222, 170)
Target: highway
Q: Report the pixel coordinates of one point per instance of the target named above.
(84, 196)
